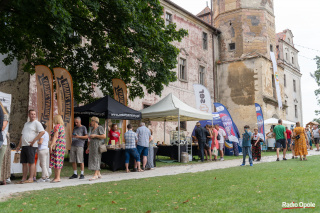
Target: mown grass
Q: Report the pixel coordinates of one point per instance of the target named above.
(261, 188)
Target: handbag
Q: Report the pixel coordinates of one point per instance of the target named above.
(16, 158)
(103, 148)
(298, 137)
(206, 146)
(218, 137)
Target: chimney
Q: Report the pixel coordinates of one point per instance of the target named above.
(207, 4)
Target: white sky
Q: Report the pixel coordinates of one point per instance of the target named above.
(301, 17)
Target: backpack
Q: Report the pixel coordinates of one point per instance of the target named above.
(218, 137)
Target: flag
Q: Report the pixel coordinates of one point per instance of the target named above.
(229, 125)
(119, 91)
(64, 89)
(276, 78)
(44, 81)
(260, 120)
(203, 98)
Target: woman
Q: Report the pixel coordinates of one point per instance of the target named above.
(150, 157)
(300, 144)
(43, 152)
(309, 138)
(209, 142)
(215, 143)
(256, 148)
(271, 138)
(96, 137)
(114, 134)
(57, 147)
(5, 151)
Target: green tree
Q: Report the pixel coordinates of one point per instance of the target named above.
(316, 77)
(96, 40)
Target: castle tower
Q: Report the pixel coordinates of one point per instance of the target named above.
(244, 69)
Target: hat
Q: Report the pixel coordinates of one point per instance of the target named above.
(96, 119)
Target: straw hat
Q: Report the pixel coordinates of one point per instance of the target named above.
(96, 119)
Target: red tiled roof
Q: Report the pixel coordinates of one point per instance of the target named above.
(204, 11)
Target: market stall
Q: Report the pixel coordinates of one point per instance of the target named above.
(108, 108)
(172, 109)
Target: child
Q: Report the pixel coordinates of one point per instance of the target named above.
(246, 145)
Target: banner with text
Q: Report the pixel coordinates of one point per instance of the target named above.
(260, 120)
(6, 99)
(229, 125)
(64, 89)
(44, 80)
(276, 78)
(203, 98)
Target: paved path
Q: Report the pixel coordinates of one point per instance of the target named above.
(10, 189)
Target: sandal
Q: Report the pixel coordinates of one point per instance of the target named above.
(55, 181)
(21, 182)
(140, 170)
(305, 159)
(94, 178)
(128, 171)
(99, 176)
(28, 181)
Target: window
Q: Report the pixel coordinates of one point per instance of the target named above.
(183, 125)
(205, 40)
(292, 60)
(287, 56)
(296, 110)
(271, 48)
(285, 80)
(286, 103)
(182, 69)
(232, 46)
(168, 18)
(201, 75)
(274, 87)
(273, 83)
(294, 86)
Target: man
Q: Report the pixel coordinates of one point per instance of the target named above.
(223, 135)
(246, 145)
(131, 139)
(201, 135)
(79, 136)
(316, 136)
(31, 133)
(144, 137)
(281, 139)
(289, 136)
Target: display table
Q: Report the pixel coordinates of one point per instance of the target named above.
(271, 142)
(171, 151)
(17, 167)
(115, 159)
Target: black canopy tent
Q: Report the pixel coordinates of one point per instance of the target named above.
(108, 108)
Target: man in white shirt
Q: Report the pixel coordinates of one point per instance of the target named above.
(222, 135)
(31, 133)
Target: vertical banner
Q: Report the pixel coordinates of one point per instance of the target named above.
(276, 78)
(64, 89)
(228, 123)
(260, 120)
(120, 95)
(6, 99)
(203, 98)
(44, 81)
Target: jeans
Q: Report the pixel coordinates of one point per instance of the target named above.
(134, 153)
(201, 147)
(246, 150)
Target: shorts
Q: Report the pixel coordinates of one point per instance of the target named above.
(221, 146)
(209, 147)
(215, 151)
(76, 154)
(134, 153)
(142, 150)
(28, 154)
(281, 142)
(289, 142)
(316, 140)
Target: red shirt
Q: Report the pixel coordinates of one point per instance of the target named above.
(289, 133)
(114, 136)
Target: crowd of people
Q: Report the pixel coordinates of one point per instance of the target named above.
(35, 143)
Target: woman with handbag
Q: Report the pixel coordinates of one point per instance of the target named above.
(96, 139)
(300, 144)
(57, 147)
(256, 147)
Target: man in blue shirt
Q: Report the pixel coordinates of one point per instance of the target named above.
(131, 138)
(246, 145)
(144, 137)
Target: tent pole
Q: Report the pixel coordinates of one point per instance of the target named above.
(179, 136)
(164, 131)
(107, 130)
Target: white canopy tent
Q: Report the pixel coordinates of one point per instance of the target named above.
(171, 108)
(275, 121)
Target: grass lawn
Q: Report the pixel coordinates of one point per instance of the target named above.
(261, 188)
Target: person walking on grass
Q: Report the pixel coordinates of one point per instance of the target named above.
(79, 136)
(301, 139)
(246, 145)
(201, 135)
(31, 133)
(144, 137)
(281, 139)
(289, 136)
(97, 136)
(316, 136)
(256, 147)
(222, 135)
(131, 138)
(309, 138)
